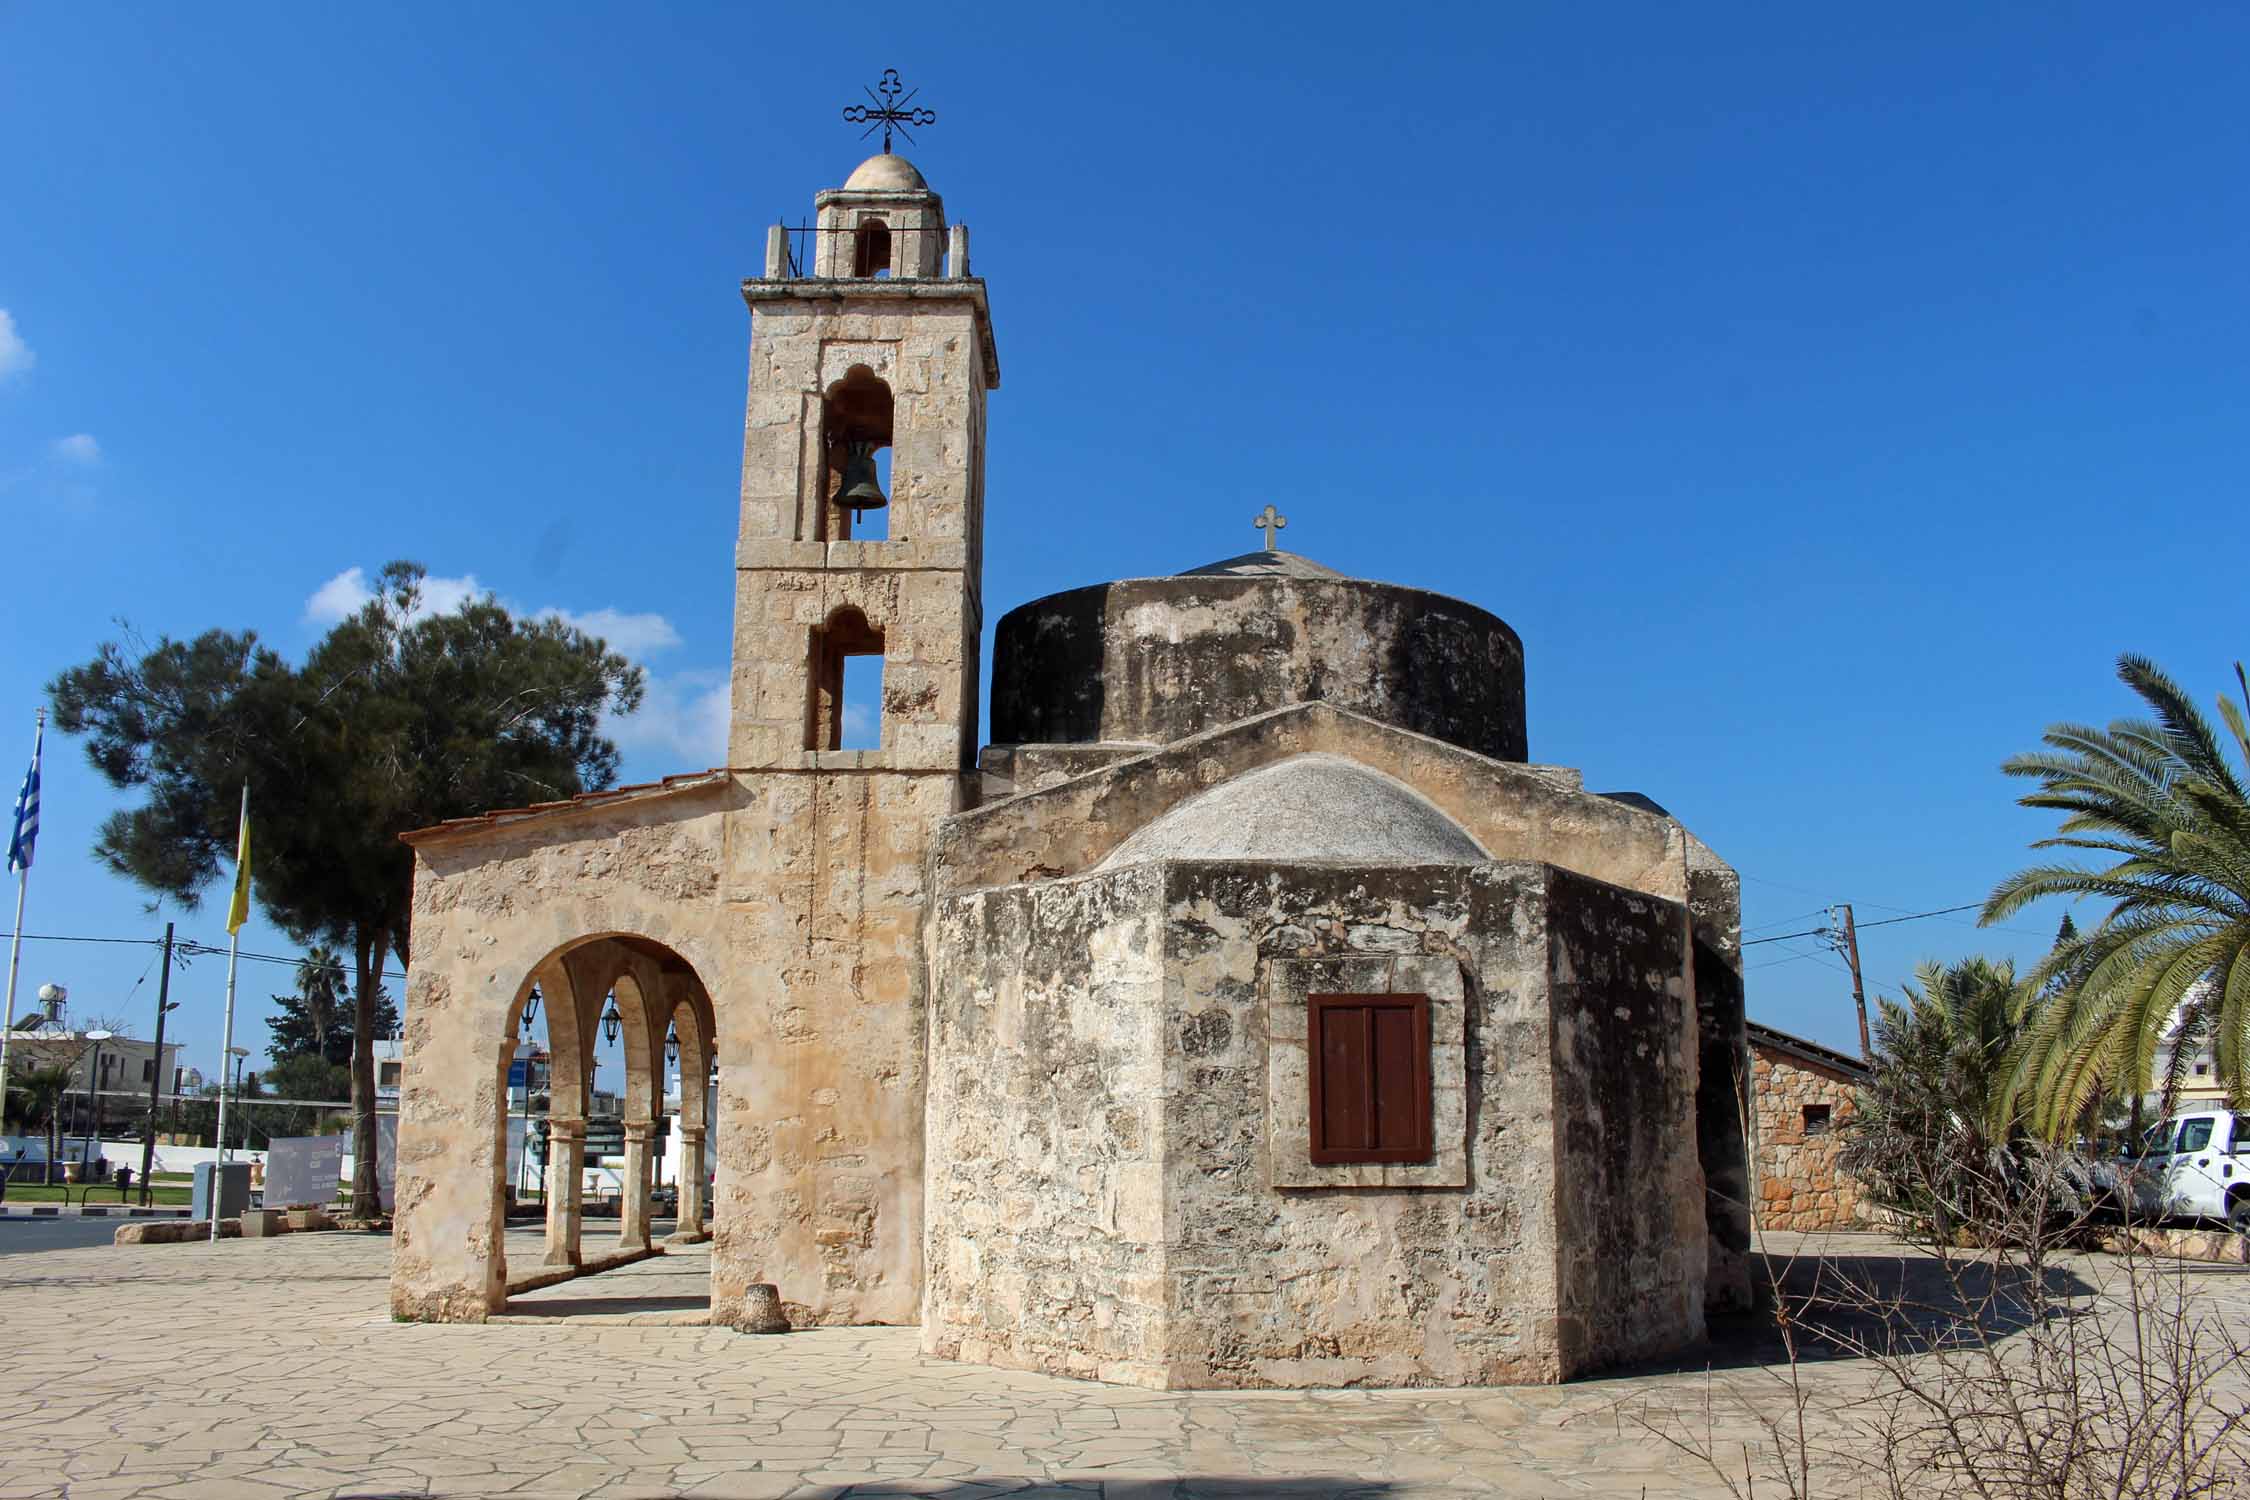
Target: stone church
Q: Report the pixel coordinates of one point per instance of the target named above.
(1252, 1012)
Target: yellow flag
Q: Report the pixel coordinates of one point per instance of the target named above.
(238, 909)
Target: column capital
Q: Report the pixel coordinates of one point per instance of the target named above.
(570, 1126)
(692, 1132)
(637, 1132)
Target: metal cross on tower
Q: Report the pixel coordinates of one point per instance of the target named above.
(887, 110)
(1269, 523)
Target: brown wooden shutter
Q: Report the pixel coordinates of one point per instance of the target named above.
(1370, 1057)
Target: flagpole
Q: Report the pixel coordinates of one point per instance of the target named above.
(15, 937)
(15, 956)
(235, 913)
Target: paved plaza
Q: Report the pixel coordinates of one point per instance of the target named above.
(270, 1368)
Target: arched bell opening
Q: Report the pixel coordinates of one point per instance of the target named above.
(856, 429)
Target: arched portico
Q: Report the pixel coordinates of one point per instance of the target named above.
(452, 1203)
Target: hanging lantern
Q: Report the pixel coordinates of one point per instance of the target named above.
(672, 1045)
(530, 1012)
(611, 1020)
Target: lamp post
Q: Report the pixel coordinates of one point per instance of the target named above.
(94, 1087)
(236, 1056)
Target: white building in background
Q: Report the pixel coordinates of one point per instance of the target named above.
(2199, 1077)
(129, 1066)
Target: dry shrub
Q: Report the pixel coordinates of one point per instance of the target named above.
(2013, 1369)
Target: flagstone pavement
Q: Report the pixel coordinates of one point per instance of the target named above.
(268, 1368)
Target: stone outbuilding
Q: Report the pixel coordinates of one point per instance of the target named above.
(1252, 1012)
(1804, 1093)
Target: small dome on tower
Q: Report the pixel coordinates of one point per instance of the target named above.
(885, 173)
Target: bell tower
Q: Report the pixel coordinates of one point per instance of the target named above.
(862, 536)
(870, 348)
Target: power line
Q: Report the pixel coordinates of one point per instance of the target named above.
(184, 945)
(1884, 922)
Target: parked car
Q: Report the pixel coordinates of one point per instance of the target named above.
(2194, 1165)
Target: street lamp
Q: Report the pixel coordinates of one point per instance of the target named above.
(530, 1012)
(672, 1044)
(238, 1054)
(94, 1086)
(611, 1020)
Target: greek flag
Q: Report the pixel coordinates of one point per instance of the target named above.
(27, 810)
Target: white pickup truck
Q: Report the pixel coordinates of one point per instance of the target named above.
(2193, 1165)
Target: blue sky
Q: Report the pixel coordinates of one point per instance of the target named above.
(1826, 399)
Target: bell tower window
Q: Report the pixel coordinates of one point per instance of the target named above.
(856, 415)
(846, 711)
(871, 249)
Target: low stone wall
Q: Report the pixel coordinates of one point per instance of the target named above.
(2221, 1245)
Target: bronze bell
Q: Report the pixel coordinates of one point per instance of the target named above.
(861, 490)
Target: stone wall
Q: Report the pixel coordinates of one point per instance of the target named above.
(796, 898)
(1109, 1188)
(1159, 659)
(1045, 1114)
(1799, 1186)
(1629, 1192)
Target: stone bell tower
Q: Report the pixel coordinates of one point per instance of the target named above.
(871, 348)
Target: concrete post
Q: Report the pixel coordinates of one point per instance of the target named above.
(777, 252)
(566, 1169)
(632, 1221)
(957, 251)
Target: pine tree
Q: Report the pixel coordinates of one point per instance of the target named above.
(399, 718)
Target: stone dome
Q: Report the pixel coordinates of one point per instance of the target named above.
(885, 173)
(1153, 660)
(1308, 808)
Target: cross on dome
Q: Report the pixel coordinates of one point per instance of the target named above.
(1269, 523)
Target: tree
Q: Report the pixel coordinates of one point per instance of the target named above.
(313, 1021)
(399, 718)
(42, 1087)
(1933, 1132)
(305, 1076)
(2158, 799)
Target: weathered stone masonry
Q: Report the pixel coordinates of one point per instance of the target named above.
(1021, 1044)
(1804, 1092)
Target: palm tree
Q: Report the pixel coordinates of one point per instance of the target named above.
(2158, 799)
(43, 1089)
(1933, 1130)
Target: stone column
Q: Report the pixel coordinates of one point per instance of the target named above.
(566, 1170)
(691, 1182)
(632, 1221)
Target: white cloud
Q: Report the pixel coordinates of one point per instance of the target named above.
(79, 449)
(339, 598)
(859, 722)
(347, 593)
(635, 635)
(15, 355)
(682, 719)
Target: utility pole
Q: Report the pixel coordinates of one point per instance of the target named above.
(1848, 945)
(156, 1085)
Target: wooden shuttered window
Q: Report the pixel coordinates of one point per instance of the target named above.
(1370, 1058)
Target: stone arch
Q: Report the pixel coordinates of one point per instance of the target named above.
(693, 1021)
(858, 416)
(845, 634)
(871, 247)
(651, 982)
